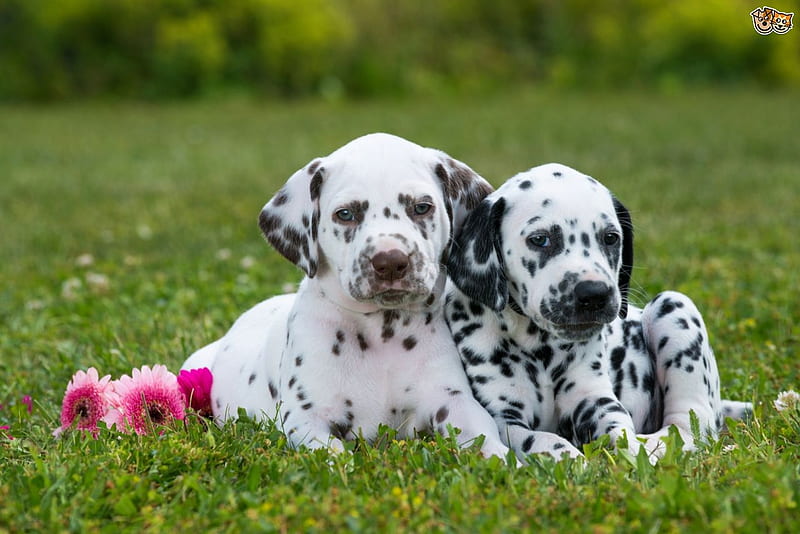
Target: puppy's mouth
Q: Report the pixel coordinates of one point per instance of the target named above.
(578, 331)
(397, 298)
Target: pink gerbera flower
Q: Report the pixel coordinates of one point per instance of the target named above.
(86, 401)
(149, 398)
(196, 387)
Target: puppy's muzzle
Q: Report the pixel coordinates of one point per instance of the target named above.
(592, 297)
(390, 265)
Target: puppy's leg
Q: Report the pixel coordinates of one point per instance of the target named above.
(589, 409)
(737, 410)
(686, 370)
(459, 409)
(311, 433)
(526, 441)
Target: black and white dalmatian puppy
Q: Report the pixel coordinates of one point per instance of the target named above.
(541, 320)
(364, 341)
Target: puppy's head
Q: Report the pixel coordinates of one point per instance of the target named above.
(374, 219)
(554, 244)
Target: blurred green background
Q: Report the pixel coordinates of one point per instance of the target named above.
(155, 49)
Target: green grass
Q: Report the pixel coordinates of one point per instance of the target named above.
(153, 193)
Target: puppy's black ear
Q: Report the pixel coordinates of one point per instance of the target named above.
(626, 268)
(476, 261)
(290, 219)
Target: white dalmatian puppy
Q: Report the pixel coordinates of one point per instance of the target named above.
(363, 342)
(551, 348)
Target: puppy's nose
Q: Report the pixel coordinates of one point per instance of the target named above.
(592, 295)
(390, 265)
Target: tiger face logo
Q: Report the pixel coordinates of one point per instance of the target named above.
(782, 22)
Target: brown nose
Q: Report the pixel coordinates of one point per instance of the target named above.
(390, 265)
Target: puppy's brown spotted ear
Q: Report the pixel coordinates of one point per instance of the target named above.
(476, 260)
(290, 220)
(626, 268)
(463, 188)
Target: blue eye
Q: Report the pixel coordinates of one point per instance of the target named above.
(539, 240)
(422, 208)
(345, 215)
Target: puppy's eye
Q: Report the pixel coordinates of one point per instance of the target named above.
(422, 208)
(611, 238)
(539, 240)
(345, 215)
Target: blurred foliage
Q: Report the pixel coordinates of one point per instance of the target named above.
(51, 49)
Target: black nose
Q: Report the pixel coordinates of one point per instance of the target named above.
(390, 265)
(592, 295)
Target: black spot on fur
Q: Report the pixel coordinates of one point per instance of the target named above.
(409, 343)
(466, 331)
(362, 342)
(316, 185)
(475, 308)
(528, 443)
(442, 414)
(544, 354)
(617, 357)
(340, 430)
(252, 378)
(281, 198)
(668, 306)
(387, 330)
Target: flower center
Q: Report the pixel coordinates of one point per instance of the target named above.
(158, 415)
(83, 409)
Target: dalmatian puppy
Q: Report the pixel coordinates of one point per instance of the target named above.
(364, 341)
(552, 350)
